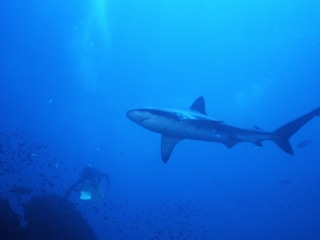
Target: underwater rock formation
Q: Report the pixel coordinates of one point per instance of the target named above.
(9, 222)
(54, 217)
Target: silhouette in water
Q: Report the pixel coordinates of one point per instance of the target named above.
(91, 189)
(48, 217)
(304, 143)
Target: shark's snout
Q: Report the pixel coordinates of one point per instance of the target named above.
(138, 115)
(130, 114)
(133, 115)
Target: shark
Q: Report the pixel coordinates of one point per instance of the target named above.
(177, 124)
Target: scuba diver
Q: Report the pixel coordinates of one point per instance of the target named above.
(91, 188)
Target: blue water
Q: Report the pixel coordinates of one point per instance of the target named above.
(70, 70)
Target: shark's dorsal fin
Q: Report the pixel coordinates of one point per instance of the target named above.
(167, 145)
(256, 127)
(199, 105)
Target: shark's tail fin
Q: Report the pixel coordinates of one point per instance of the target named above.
(285, 132)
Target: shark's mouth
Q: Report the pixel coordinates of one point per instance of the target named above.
(143, 120)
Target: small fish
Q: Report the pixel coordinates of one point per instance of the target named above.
(21, 190)
(286, 181)
(4, 148)
(304, 143)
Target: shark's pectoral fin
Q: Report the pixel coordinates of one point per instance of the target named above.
(167, 145)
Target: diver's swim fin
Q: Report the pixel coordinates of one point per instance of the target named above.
(86, 191)
(96, 190)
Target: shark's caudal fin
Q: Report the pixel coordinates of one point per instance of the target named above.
(286, 131)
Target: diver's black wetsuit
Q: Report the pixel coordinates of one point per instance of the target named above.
(89, 173)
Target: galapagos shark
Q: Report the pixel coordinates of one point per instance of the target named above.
(194, 123)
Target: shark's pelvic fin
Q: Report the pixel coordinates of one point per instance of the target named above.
(285, 132)
(199, 105)
(230, 143)
(167, 145)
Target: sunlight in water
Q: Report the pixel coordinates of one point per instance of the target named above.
(100, 16)
(91, 40)
(249, 97)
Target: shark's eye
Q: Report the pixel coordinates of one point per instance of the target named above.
(182, 116)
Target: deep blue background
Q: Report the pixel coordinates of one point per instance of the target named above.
(70, 70)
